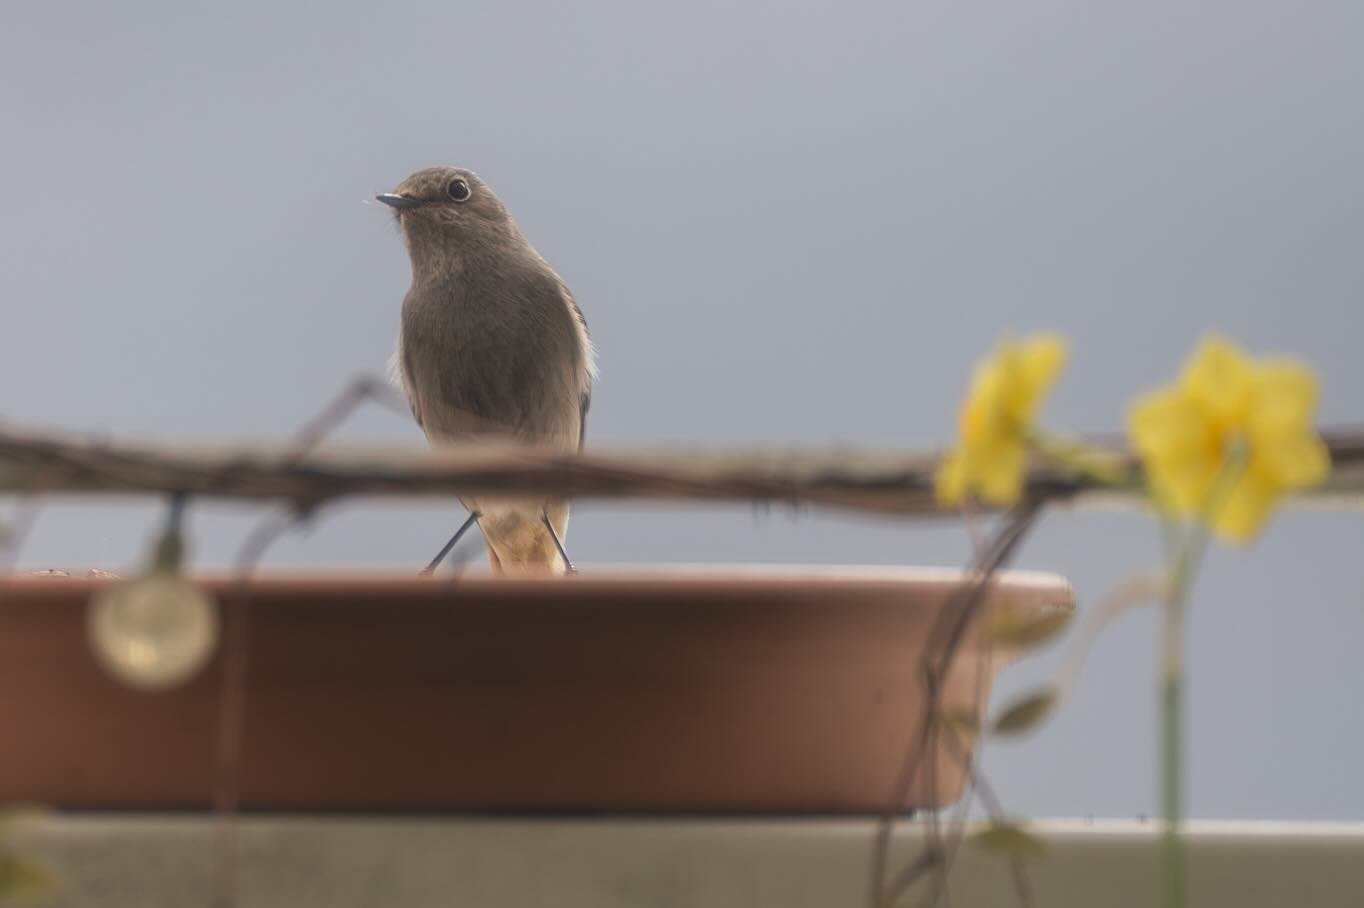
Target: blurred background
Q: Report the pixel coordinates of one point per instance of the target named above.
(790, 222)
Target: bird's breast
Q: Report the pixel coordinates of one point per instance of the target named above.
(495, 351)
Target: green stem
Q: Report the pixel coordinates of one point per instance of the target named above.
(1185, 564)
(1103, 467)
(1172, 726)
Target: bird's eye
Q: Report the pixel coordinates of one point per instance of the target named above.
(457, 190)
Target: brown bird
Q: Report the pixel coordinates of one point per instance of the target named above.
(493, 347)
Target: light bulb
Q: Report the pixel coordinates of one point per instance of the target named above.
(154, 631)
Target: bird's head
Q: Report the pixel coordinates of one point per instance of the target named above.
(447, 205)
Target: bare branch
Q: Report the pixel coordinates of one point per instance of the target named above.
(887, 483)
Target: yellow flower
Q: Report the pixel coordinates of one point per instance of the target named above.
(1223, 402)
(994, 420)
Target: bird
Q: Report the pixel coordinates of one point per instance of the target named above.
(492, 347)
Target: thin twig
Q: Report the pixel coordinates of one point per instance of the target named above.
(232, 703)
(26, 511)
(995, 808)
(1022, 885)
(361, 389)
(969, 762)
(1141, 589)
(943, 641)
(1134, 591)
(21, 522)
(970, 516)
(933, 857)
(910, 875)
(236, 636)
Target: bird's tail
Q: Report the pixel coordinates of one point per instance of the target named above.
(518, 540)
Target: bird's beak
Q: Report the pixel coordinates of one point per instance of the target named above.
(400, 202)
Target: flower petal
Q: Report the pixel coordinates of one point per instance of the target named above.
(1286, 384)
(1220, 378)
(1043, 357)
(1168, 424)
(993, 420)
(949, 482)
(1183, 484)
(1246, 508)
(1285, 402)
(1298, 462)
(1226, 402)
(1000, 473)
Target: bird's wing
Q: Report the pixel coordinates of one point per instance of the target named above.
(582, 418)
(589, 364)
(402, 370)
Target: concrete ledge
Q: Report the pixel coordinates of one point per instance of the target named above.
(292, 862)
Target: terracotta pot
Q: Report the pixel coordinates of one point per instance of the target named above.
(708, 690)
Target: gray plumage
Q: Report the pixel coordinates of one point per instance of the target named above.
(493, 345)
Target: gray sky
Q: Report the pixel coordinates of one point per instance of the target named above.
(786, 222)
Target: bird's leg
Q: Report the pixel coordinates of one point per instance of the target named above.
(558, 544)
(454, 540)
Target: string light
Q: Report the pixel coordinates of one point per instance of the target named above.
(157, 630)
